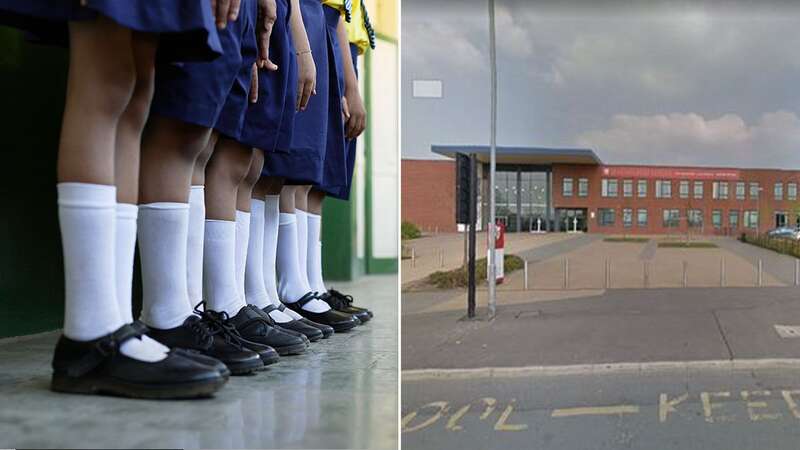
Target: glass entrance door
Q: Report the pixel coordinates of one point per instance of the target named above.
(570, 220)
(521, 195)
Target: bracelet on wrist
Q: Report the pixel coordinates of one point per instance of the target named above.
(304, 52)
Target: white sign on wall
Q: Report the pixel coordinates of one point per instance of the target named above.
(427, 89)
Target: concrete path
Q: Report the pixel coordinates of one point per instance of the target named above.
(625, 325)
(341, 394)
(777, 265)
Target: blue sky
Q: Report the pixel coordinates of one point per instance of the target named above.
(705, 83)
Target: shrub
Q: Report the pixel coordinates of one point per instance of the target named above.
(456, 278)
(785, 246)
(409, 231)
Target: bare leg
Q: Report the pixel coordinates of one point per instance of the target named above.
(315, 198)
(199, 174)
(287, 198)
(227, 169)
(247, 186)
(301, 198)
(267, 186)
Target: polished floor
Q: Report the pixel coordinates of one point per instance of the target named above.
(342, 393)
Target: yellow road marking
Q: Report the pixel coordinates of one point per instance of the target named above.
(501, 424)
(754, 406)
(595, 411)
(666, 406)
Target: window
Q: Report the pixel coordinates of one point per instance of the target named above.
(751, 219)
(663, 188)
(672, 218)
(791, 191)
(719, 190)
(609, 188)
(641, 217)
(566, 189)
(627, 217)
(716, 218)
(583, 187)
(754, 191)
(778, 191)
(627, 188)
(698, 189)
(641, 188)
(605, 217)
(733, 219)
(695, 218)
(740, 190)
(683, 190)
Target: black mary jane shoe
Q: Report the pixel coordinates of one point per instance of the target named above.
(204, 338)
(311, 333)
(339, 321)
(256, 326)
(98, 367)
(327, 330)
(344, 303)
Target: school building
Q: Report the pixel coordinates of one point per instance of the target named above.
(569, 190)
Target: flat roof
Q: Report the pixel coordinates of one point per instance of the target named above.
(523, 155)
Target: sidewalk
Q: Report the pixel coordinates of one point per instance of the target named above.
(596, 327)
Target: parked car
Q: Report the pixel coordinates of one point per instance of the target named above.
(784, 232)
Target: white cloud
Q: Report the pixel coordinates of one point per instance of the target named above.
(773, 141)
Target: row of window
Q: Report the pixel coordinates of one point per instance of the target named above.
(671, 218)
(663, 189)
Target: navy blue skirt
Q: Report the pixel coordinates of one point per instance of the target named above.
(212, 94)
(350, 163)
(303, 163)
(269, 122)
(186, 27)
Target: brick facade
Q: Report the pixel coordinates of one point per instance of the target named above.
(429, 194)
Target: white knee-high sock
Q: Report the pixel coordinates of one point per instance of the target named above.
(124, 253)
(302, 242)
(271, 218)
(292, 283)
(314, 263)
(219, 267)
(254, 290)
(163, 237)
(194, 248)
(86, 214)
(242, 239)
(87, 218)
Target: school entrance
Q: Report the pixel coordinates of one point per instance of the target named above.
(571, 219)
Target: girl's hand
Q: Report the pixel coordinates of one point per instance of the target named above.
(267, 14)
(224, 11)
(345, 110)
(356, 120)
(254, 84)
(306, 79)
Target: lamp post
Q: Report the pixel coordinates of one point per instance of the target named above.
(492, 306)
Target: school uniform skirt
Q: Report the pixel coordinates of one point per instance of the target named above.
(269, 122)
(303, 164)
(350, 159)
(186, 27)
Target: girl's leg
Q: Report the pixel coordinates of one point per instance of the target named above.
(197, 222)
(169, 151)
(101, 81)
(314, 265)
(301, 214)
(255, 289)
(227, 169)
(126, 166)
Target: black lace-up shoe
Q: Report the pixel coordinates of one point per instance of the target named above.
(256, 326)
(98, 367)
(344, 303)
(194, 355)
(221, 319)
(327, 330)
(311, 333)
(338, 320)
(207, 338)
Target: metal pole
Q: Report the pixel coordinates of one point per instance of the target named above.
(473, 197)
(607, 277)
(685, 274)
(797, 272)
(413, 257)
(760, 273)
(645, 275)
(441, 257)
(526, 274)
(566, 273)
(722, 275)
(492, 161)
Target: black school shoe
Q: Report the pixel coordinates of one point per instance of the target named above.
(221, 319)
(256, 326)
(344, 303)
(208, 339)
(327, 330)
(313, 334)
(338, 320)
(98, 367)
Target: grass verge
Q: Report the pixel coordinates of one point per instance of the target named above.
(637, 240)
(683, 244)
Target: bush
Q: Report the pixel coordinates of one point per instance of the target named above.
(456, 278)
(409, 231)
(785, 246)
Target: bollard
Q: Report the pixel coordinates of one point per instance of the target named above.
(685, 274)
(413, 257)
(722, 274)
(566, 273)
(760, 273)
(607, 275)
(441, 258)
(645, 274)
(797, 272)
(525, 274)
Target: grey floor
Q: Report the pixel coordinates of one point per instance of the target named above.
(343, 393)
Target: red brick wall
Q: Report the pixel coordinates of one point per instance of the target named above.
(429, 194)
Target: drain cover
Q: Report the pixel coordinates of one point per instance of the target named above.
(788, 331)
